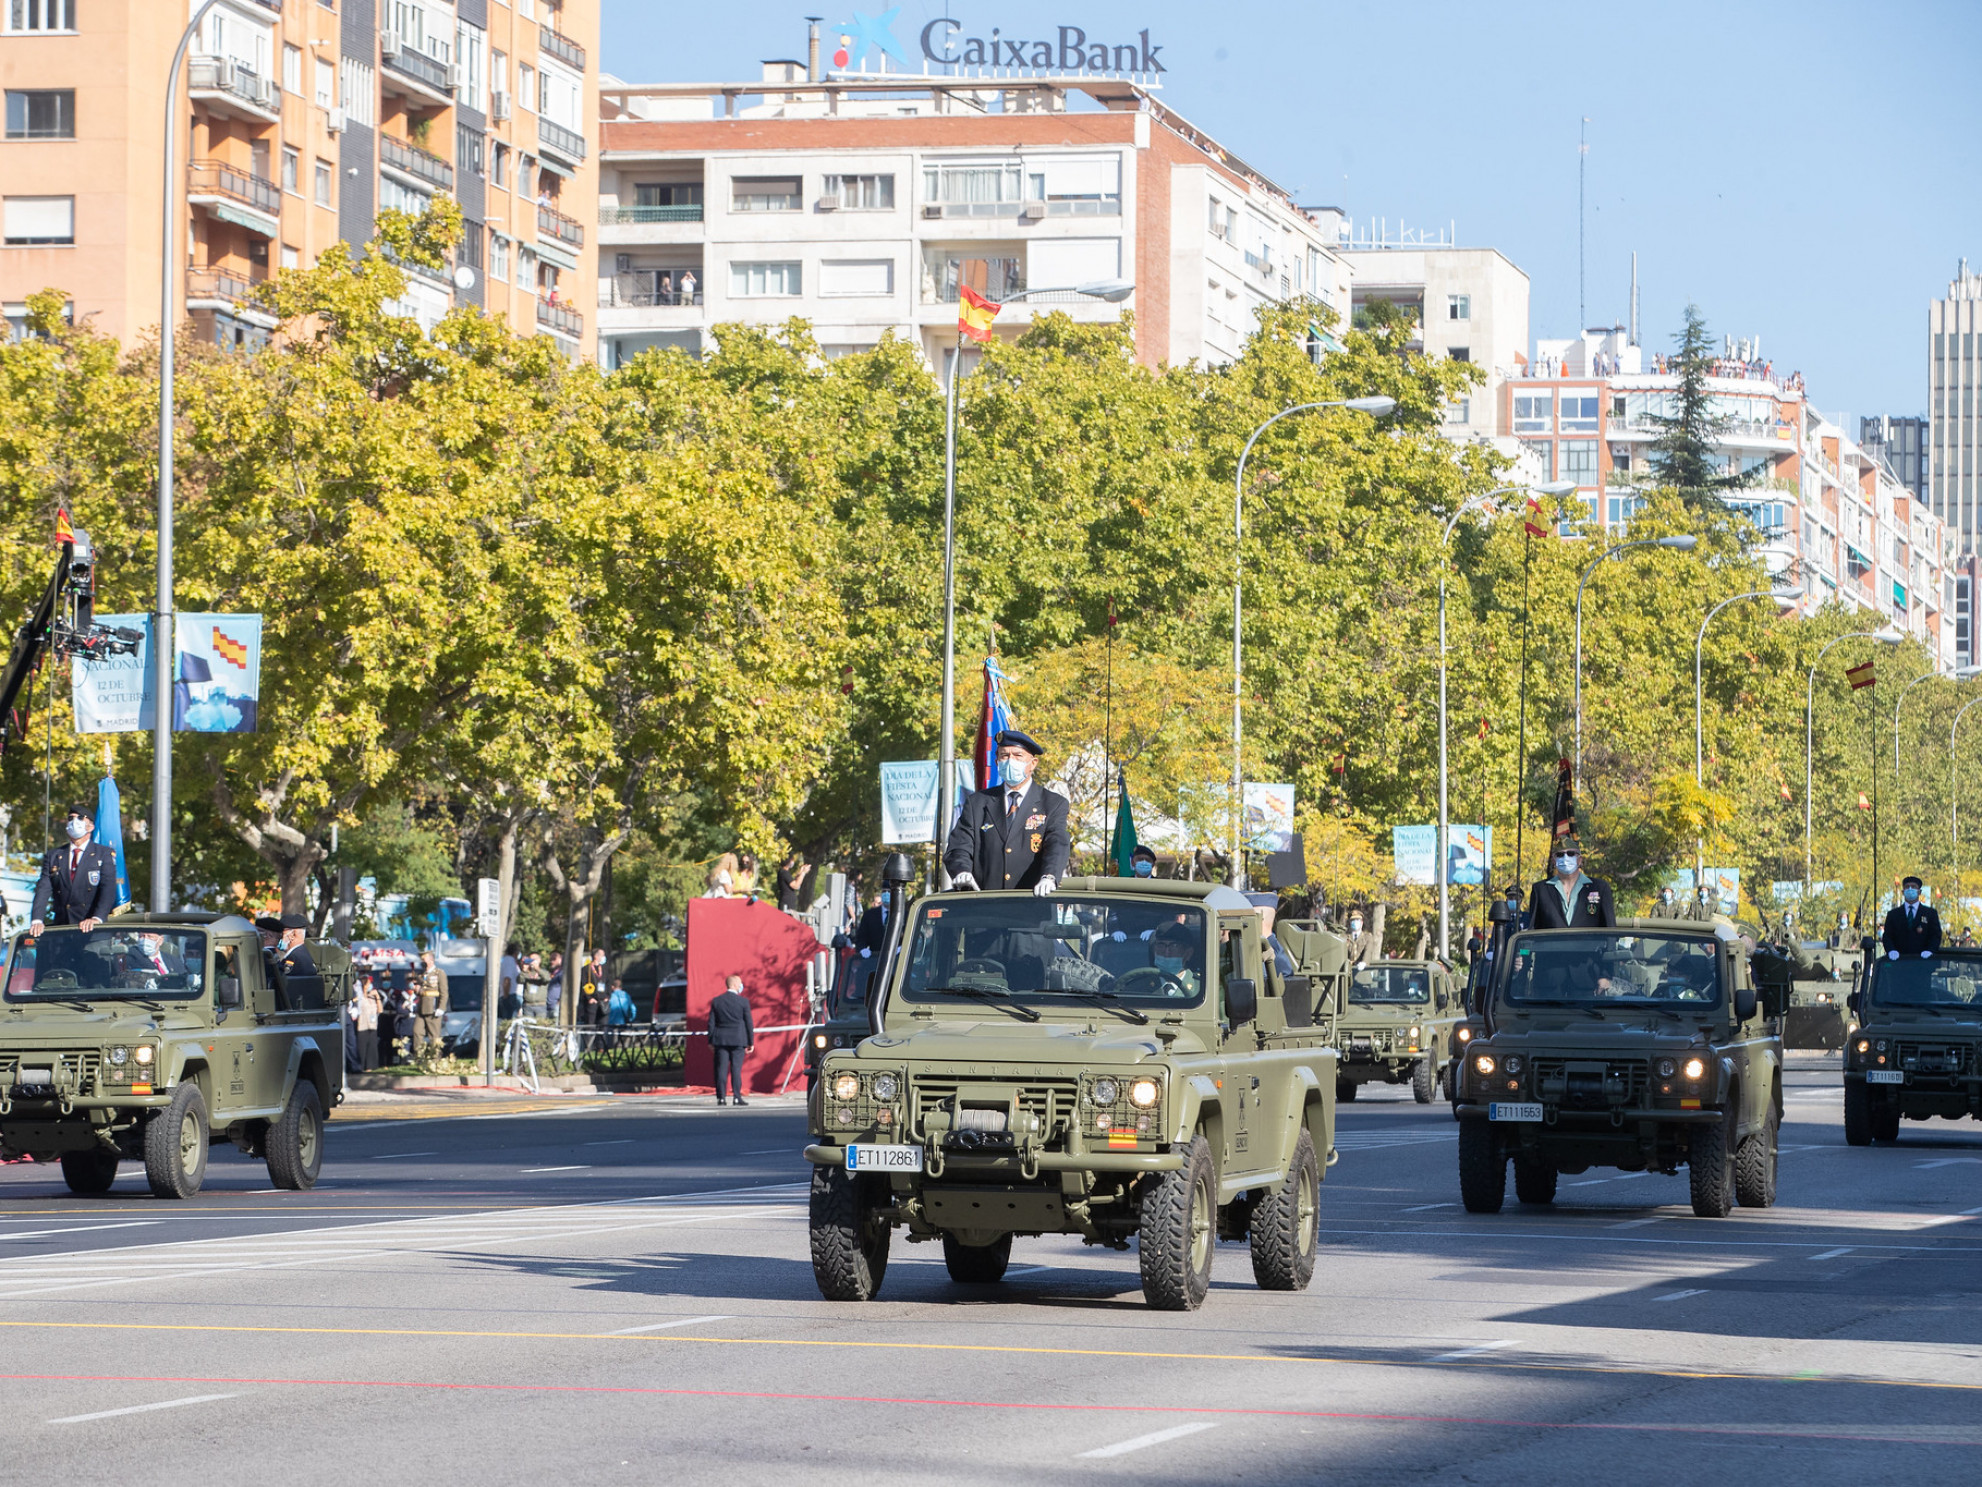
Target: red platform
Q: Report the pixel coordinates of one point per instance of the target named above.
(769, 949)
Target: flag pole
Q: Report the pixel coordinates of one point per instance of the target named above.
(946, 748)
(1108, 739)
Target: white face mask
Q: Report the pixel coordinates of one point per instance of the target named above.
(1145, 869)
(1355, 926)
(77, 828)
(1566, 866)
(1016, 770)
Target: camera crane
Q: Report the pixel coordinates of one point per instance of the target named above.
(62, 624)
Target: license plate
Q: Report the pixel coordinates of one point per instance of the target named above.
(1524, 1111)
(1885, 1076)
(869, 1158)
(36, 1076)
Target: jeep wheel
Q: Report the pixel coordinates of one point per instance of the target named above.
(1755, 1165)
(1424, 1079)
(977, 1264)
(849, 1243)
(1345, 1090)
(89, 1171)
(1482, 1168)
(1885, 1122)
(294, 1143)
(1710, 1169)
(1857, 1115)
(1534, 1180)
(1286, 1225)
(1179, 1232)
(175, 1145)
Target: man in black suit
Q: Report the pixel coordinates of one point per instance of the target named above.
(1912, 928)
(731, 1036)
(1015, 834)
(1571, 899)
(78, 883)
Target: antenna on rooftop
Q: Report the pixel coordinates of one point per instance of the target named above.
(1582, 164)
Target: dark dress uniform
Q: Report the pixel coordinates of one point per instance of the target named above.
(730, 1037)
(1591, 907)
(75, 886)
(1004, 848)
(1911, 929)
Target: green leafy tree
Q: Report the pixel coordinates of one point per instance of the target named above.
(1685, 455)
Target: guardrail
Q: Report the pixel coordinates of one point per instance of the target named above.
(561, 47)
(534, 1050)
(402, 155)
(559, 140)
(218, 178)
(565, 229)
(560, 318)
(617, 216)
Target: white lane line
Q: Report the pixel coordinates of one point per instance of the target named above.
(1028, 1270)
(1590, 1182)
(1154, 1438)
(7, 1236)
(1969, 1213)
(1485, 1347)
(1428, 1207)
(142, 1409)
(1832, 1254)
(1637, 1223)
(580, 1168)
(399, 1156)
(663, 1326)
(1678, 1295)
(767, 1151)
(422, 1121)
(623, 1141)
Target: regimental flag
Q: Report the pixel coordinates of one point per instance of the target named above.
(1123, 849)
(993, 719)
(110, 831)
(974, 313)
(63, 531)
(1861, 676)
(1565, 798)
(232, 651)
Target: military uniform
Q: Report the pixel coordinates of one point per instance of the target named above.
(1002, 847)
(430, 1002)
(1360, 947)
(1589, 905)
(76, 883)
(1911, 928)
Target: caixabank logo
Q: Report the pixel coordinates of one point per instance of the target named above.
(948, 43)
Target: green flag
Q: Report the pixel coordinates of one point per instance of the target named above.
(1124, 846)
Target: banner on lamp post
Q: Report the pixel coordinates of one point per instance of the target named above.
(216, 684)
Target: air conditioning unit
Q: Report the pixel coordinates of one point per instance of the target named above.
(333, 120)
(1033, 211)
(498, 106)
(932, 211)
(829, 203)
(454, 76)
(622, 263)
(388, 44)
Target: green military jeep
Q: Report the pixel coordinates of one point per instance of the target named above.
(1100, 1062)
(1820, 981)
(1641, 1047)
(1396, 1026)
(152, 1035)
(1917, 1051)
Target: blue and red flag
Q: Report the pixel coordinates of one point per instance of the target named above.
(994, 719)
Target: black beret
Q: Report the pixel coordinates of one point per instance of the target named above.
(269, 923)
(1143, 849)
(87, 812)
(294, 921)
(1013, 738)
(1909, 878)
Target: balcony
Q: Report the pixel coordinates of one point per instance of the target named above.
(215, 182)
(995, 278)
(210, 287)
(424, 167)
(616, 216)
(555, 224)
(563, 48)
(228, 87)
(413, 74)
(560, 319)
(641, 290)
(555, 139)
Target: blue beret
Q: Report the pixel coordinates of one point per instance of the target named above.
(1015, 739)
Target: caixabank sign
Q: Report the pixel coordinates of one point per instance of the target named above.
(949, 43)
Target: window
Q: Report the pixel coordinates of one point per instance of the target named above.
(1458, 307)
(396, 197)
(1534, 413)
(1462, 411)
(39, 221)
(857, 276)
(1617, 408)
(1215, 217)
(1459, 353)
(292, 166)
(292, 69)
(561, 98)
(357, 91)
(1579, 413)
(45, 113)
(972, 185)
(41, 15)
(498, 71)
(467, 150)
(526, 85)
(323, 183)
(1544, 452)
(765, 194)
(763, 280)
(499, 257)
(290, 257)
(862, 193)
(326, 93)
(499, 168)
(1579, 461)
(469, 41)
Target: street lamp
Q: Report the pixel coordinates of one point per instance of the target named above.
(1954, 799)
(162, 620)
(1376, 407)
(1553, 488)
(1960, 674)
(1676, 544)
(1887, 636)
(1781, 596)
(1112, 291)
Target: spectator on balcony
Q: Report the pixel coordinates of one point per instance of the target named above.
(688, 286)
(666, 294)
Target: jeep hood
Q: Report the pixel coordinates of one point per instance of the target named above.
(1005, 1041)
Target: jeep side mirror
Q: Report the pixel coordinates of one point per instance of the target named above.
(1500, 911)
(1744, 1002)
(1241, 999)
(229, 989)
(1852, 1001)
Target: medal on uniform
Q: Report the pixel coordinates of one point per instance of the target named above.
(1036, 839)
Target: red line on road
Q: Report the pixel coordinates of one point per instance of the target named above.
(1354, 1417)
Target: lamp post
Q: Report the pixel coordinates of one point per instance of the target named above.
(1954, 800)
(1113, 291)
(162, 618)
(1699, 725)
(1682, 543)
(1887, 636)
(1376, 407)
(1960, 674)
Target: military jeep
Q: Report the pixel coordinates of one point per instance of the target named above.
(1644, 1047)
(1917, 1051)
(1099, 1062)
(1396, 1025)
(151, 1036)
(1820, 982)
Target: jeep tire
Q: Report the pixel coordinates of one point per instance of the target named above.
(294, 1142)
(977, 1264)
(1345, 1090)
(849, 1242)
(1857, 1114)
(176, 1145)
(1710, 1168)
(1179, 1231)
(1534, 1180)
(91, 1171)
(1424, 1079)
(1482, 1168)
(1755, 1165)
(1885, 1121)
(1286, 1226)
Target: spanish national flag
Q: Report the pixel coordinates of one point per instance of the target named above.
(63, 531)
(229, 649)
(974, 313)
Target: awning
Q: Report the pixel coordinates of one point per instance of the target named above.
(242, 217)
(1858, 557)
(557, 253)
(544, 162)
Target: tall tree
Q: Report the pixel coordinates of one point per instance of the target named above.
(1685, 455)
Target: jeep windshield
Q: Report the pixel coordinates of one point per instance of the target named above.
(64, 964)
(1060, 950)
(1608, 968)
(1951, 981)
(1392, 984)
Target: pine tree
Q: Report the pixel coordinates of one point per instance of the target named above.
(1684, 455)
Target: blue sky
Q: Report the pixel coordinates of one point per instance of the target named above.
(1807, 173)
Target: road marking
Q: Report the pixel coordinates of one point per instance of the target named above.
(1638, 1223)
(1950, 1162)
(663, 1326)
(142, 1409)
(1832, 1254)
(767, 1151)
(1485, 1347)
(1589, 1182)
(623, 1141)
(5, 1236)
(1028, 1270)
(1139, 1442)
(1969, 1213)
(580, 1168)
(396, 1156)
(1680, 1295)
(1428, 1207)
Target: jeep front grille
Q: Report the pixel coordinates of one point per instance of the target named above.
(1931, 1059)
(1592, 1084)
(75, 1072)
(1053, 1101)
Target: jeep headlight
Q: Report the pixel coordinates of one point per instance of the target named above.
(145, 1052)
(1484, 1063)
(119, 1055)
(1666, 1068)
(1105, 1091)
(885, 1086)
(1694, 1068)
(1513, 1064)
(1143, 1093)
(846, 1087)
(1414, 1032)
(1465, 1035)
(1864, 1045)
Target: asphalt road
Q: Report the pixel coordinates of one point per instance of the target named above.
(597, 1290)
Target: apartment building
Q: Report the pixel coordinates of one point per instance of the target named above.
(298, 121)
(1902, 443)
(864, 203)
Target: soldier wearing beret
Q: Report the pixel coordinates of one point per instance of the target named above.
(78, 883)
(1015, 834)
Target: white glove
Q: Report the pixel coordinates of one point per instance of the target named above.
(1043, 888)
(963, 880)
(866, 954)
(1118, 937)
(1892, 955)
(1147, 934)
(1926, 955)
